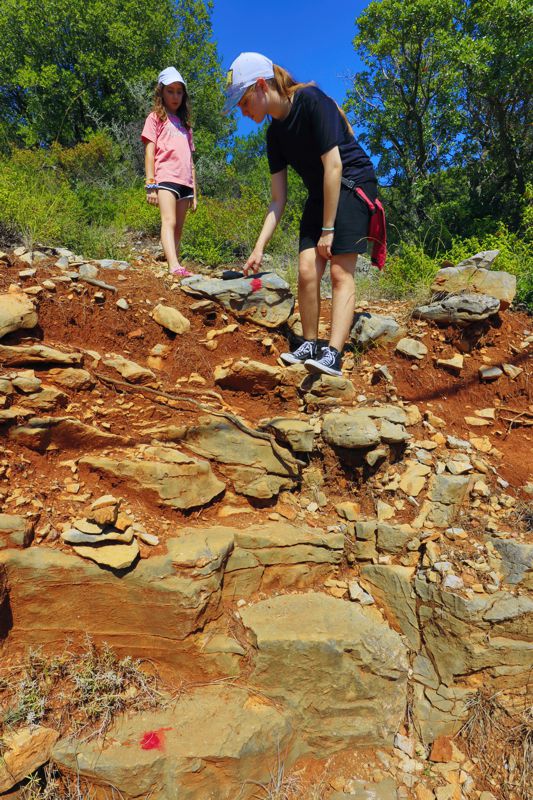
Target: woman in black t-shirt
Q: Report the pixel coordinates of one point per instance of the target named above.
(310, 133)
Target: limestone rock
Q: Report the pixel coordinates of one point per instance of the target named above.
(71, 378)
(129, 370)
(245, 375)
(412, 348)
(488, 373)
(461, 309)
(150, 612)
(15, 531)
(266, 299)
(170, 318)
(254, 462)
(68, 433)
(116, 556)
(350, 429)
(212, 742)
(324, 390)
(470, 276)
(25, 751)
(36, 354)
(370, 327)
(301, 641)
(17, 312)
(514, 560)
(180, 481)
(297, 434)
(454, 364)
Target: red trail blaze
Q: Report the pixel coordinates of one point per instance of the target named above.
(256, 284)
(153, 740)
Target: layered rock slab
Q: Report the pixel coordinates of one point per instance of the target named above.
(16, 312)
(148, 613)
(266, 299)
(339, 668)
(212, 744)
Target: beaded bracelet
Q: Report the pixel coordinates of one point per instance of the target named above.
(150, 186)
(328, 229)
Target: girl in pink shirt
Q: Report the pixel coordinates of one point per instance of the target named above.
(170, 176)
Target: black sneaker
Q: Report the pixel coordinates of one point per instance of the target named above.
(308, 349)
(329, 362)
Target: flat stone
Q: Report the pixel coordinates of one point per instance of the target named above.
(490, 373)
(298, 434)
(115, 556)
(15, 531)
(71, 378)
(511, 371)
(412, 348)
(129, 370)
(37, 354)
(454, 364)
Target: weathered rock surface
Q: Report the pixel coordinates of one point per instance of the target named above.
(24, 751)
(253, 461)
(147, 613)
(327, 390)
(370, 327)
(266, 300)
(514, 560)
(304, 640)
(213, 743)
(15, 530)
(391, 584)
(129, 370)
(68, 433)
(15, 356)
(412, 348)
(461, 309)
(16, 312)
(470, 276)
(244, 375)
(179, 480)
(297, 434)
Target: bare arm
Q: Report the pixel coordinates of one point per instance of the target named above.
(273, 216)
(194, 201)
(332, 164)
(149, 171)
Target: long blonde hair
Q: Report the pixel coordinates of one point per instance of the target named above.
(286, 86)
(183, 112)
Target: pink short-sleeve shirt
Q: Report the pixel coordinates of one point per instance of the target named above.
(173, 149)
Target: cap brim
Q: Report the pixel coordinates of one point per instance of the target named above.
(233, 96)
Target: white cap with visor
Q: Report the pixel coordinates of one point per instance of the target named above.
(170, 75)
(244, 72)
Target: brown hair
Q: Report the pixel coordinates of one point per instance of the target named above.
(183, 112)
(286, 86)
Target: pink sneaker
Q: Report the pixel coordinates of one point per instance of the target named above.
(180, 272)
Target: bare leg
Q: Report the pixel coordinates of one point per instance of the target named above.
(310, 271)
(343, 305)
(168, 208)
(181, 213)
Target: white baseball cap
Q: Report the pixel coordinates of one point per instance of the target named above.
(170, 75)
(244, 72)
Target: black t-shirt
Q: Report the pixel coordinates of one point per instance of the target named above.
(314, 126)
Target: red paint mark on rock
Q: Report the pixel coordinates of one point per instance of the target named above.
(154, 740)
(256, 284)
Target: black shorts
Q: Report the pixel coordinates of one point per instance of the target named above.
(351, 223)
(182, 192)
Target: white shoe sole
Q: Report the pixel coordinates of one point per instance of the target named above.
(316, 367)
(289, 358)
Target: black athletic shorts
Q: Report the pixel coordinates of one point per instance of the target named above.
(182, 192)
(351, 223)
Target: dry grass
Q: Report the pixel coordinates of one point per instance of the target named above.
(503, 743)
(78, 693)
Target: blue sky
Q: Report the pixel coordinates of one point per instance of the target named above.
(310, 38)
